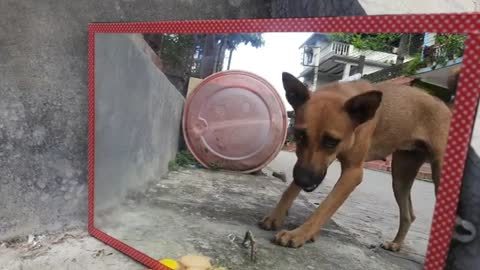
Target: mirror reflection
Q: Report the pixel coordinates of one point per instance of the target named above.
(204, 141)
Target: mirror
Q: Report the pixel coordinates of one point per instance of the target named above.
(155, 195)
(461, 253)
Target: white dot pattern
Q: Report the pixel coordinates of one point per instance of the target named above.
(464, 108)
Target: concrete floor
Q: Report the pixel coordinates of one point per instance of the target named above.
(206, 212)
(72, 250)
(199, 211)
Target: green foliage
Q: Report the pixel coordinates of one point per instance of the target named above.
(452, 46)
(413, 65)
(233, 40)
(182, 159)
(374, 42)
(176, 50)
(215, 166)
(185, 159)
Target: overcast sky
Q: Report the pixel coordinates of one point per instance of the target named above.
(280, 54)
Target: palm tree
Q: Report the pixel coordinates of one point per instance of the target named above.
(215, 47)
(233, 40)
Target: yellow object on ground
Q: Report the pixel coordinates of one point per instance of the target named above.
(190, 262)
(196, 262)
(170, 263)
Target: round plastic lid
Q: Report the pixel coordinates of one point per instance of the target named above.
(234, 120)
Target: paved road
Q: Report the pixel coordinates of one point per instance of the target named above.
(371, 212)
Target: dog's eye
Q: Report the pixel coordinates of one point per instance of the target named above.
(329, 142)
(300, 135)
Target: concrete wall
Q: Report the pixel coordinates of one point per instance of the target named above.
(43, 99)
(137, 120)
(414, 6)
(315, 8)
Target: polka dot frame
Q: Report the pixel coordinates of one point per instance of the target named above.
(461, 127)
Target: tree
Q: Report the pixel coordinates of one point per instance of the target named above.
(230, 42)
(374, 42)
(452, 46)
(447, 47)
(215, 46)
(176, 55)
(198, 55)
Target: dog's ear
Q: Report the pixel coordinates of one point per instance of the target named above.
(295, 91)
(363, 107)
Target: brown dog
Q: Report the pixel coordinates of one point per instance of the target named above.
(355, 122)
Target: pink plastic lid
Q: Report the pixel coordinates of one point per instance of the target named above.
(234, 120)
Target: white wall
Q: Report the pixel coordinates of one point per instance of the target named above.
(372, 7)
(370, 69)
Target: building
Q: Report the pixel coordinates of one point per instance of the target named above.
(326, 61)
(432, 72)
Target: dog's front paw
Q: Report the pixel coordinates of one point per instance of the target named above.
(392, 246)
(295, 238)
(271, 222)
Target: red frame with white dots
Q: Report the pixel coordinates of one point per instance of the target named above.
(461, 127)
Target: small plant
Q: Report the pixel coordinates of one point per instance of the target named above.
(413, 65)
(215, 166)
(182, 159)
(172, 165)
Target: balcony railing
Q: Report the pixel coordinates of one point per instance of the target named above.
(311, 54)
(336, 48)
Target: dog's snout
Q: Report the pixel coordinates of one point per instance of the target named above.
(306, 178)
(303, 177)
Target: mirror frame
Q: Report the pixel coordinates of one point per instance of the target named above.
(464, 107)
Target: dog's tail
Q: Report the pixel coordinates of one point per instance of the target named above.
(452, 80)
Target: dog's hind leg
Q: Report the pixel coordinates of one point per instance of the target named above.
(405, 166)
(410, 208)
(275, 219)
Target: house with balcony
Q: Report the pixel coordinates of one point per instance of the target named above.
(433, 72)
(326, 61)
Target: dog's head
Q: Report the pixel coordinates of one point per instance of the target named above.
(325, 123)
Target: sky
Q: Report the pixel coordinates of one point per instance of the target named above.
(280, 53)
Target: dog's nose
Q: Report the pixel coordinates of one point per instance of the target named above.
(307, 179)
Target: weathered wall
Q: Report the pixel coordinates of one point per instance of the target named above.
(43, 99)
(137, 117)
(414, 6)
(315, 8)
